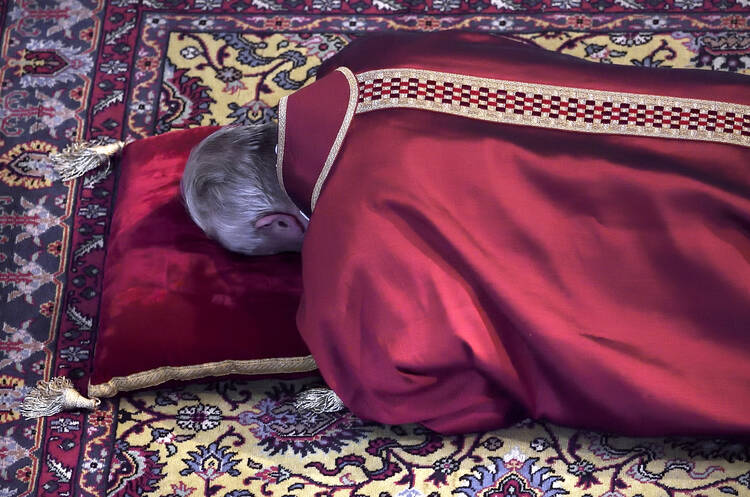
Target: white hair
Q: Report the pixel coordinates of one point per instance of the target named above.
(230, 182)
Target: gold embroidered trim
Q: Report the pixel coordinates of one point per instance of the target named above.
(557, 107)
(350, 110)
(280, 144)
(161, 375)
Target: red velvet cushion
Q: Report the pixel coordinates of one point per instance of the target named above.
(172, 297)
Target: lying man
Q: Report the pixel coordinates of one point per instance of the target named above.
(500, 231)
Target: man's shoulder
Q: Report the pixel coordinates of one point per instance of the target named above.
(405, 49)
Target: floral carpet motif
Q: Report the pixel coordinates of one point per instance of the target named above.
(75, 69)
(227, 438)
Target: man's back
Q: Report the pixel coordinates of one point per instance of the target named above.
(461, 271)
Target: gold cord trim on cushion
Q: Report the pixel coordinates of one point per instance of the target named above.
(350, 110)
(556, 107)
(154, 377)
(280, 144)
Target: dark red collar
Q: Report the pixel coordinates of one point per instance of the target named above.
(309, 122)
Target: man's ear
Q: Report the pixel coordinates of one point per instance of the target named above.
(270, 219)
(281, 223)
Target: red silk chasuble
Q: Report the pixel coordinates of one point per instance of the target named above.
(506, 232)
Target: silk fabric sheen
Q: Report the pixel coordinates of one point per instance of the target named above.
(171, 296)
(463, 274)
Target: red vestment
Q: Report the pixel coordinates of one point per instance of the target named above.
(569, 243)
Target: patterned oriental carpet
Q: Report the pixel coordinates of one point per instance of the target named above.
(76, 69)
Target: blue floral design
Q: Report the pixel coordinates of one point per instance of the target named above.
(494, 479)
(211, 462)
(279, 427)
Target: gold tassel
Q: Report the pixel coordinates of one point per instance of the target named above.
(318, 400)
(81, 157)
(54, 396)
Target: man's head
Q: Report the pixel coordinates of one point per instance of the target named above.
(231, 191)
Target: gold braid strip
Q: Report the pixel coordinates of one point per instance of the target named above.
(280, 143)
(555, 107)
(350, 109)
